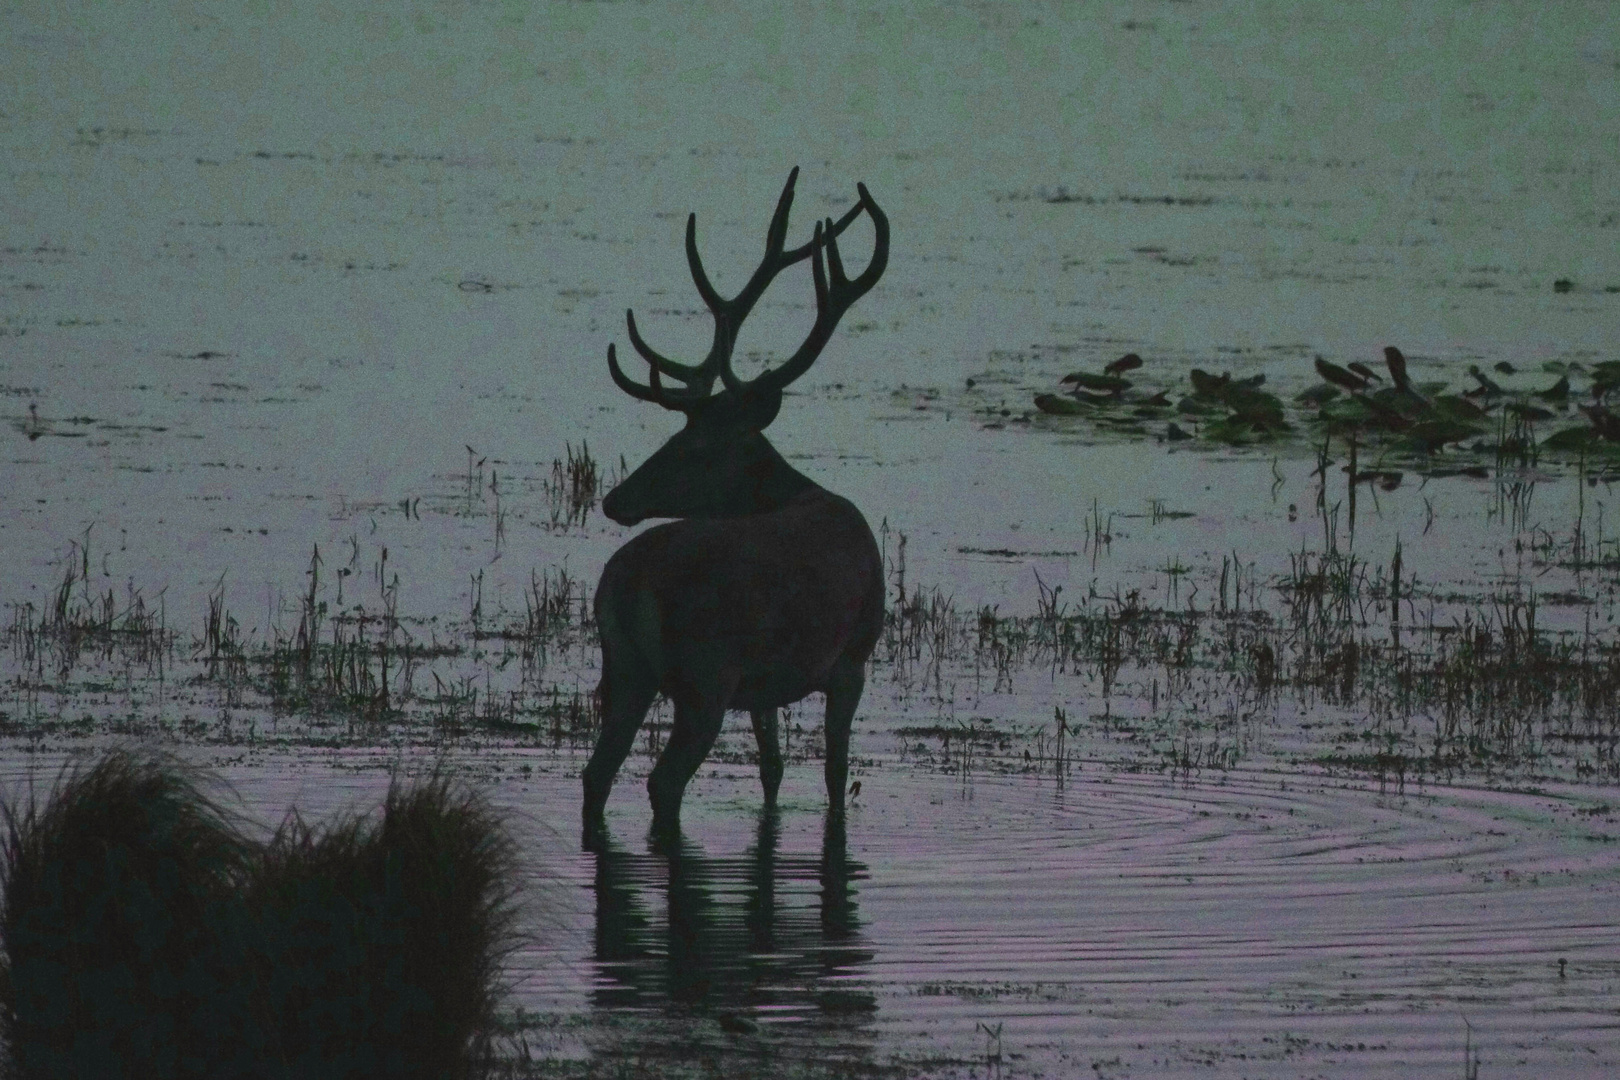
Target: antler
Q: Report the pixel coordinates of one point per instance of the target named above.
(831, 303)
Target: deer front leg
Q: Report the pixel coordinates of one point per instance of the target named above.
(626, 694)
(770, 752)
(696, 727)
(844, 686)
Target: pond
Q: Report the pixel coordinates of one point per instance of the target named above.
(1285, 748)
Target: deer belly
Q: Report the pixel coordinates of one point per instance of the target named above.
(769, 670)
(774, 686)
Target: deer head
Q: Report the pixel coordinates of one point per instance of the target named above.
(720, 464)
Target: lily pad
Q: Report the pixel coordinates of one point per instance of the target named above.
(1254, 404)
(1058, 405)
(1580, 440)
(1347, 411)
(1196, 405)
(1110, 384)
(1431, 435)
(1458, 409)
(1558, 391)
(1528, 411)
(1207, 385)
(1320, 394)
(1573, 440)
(1236, 431)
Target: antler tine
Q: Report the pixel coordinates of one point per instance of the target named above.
(837, 229)
(631, 387)
(776, 235)
(775, 238)
(699, 378)
(687, 373)
(695, 263)
(835, 264)
(880, 250)
(676, 400)
(735, 310)
(833, 297)
(728, 314)
(818, 273)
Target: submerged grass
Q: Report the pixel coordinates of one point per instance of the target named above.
(144, 935)
(81, 623)
(1342, 660)
(1482, 688)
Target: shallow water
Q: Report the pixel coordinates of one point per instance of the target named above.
(345, 280)
(1259, 918)
(1145, 925)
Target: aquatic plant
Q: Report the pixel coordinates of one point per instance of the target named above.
(78, 621)
(1416, 421)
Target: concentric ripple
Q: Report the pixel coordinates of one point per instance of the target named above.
(1238, 923)
(1235, 921)
(1255, 908)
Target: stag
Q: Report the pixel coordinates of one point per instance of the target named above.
(769, 587)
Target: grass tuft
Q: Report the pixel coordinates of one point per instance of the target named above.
(141, 934)
(381, 942)
(120, 928)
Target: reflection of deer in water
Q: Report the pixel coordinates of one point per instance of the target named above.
(734, 937)
(770, 588)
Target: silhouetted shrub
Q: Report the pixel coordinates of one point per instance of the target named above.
(380, 943)
(143, 935)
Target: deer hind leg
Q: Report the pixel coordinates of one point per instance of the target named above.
(770, 752)
(844, 686)
(627, 691)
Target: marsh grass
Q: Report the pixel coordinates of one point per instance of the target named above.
(1482, 688)
(1442, 686)
(568, 490)
(1589, 546)
(364, 664)
(351, 662)
(1344, 660)
(576, 485)
(82, 621)
(382, 938)
(144, 935)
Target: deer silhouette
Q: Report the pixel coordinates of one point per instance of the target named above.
(769, 587)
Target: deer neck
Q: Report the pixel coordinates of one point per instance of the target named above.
(773, 483)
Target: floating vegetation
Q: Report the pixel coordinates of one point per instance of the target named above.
(1387, 411)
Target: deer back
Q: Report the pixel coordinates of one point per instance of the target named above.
(776, 597)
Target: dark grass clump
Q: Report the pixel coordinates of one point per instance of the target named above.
(143, 935)
(122, 931)
(381, 941)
